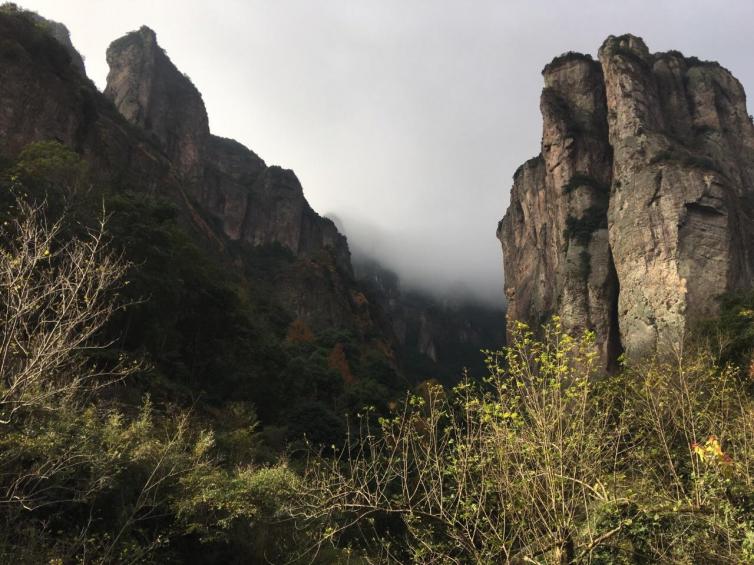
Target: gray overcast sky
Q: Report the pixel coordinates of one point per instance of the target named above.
(405, 118)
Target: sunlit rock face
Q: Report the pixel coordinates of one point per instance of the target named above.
(554, 235)
(637, 214)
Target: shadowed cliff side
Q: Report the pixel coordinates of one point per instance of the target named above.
(231, 258)
(156, 140)
(230, 186)
(435, 337)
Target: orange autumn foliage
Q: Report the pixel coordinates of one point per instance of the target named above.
(299, 332)
(337, 360)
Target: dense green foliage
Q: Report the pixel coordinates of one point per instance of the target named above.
(95, 484)
(86, 477)
(37, 42)
(97, 473)
(208, 331)
(131, 431)
(731, 335)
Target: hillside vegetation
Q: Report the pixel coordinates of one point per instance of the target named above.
(184, 379)
(544, 460)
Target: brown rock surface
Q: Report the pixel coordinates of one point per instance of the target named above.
(153, 135)
(44, 96)
(151, 93)
(554, 235)
(249, 201)
(230, 186)
(647, 163)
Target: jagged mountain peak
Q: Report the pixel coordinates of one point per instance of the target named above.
(150, 92)
(148, 32)
(251, 201)
(626, 41)
(154, 137)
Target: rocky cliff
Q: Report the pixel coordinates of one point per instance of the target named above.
(45, 95)
(251, 294)
(232, 189)
(61, 34)
(637, 213)
(249, 201)
(151, 93)
(150, 132)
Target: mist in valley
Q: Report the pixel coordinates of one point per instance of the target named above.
(424, 265)
(406, 120)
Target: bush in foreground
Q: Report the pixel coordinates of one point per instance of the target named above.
(547, 462)
(82, 477)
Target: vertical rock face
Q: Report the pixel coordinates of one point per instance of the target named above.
(149, 131)
(44, 95)
(229, 189)
(248, 200)
(554, 235)
(638, 212)
(151, 93)
(681, 206)
(222, 188)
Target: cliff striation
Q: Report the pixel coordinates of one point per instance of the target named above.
(637, 213)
